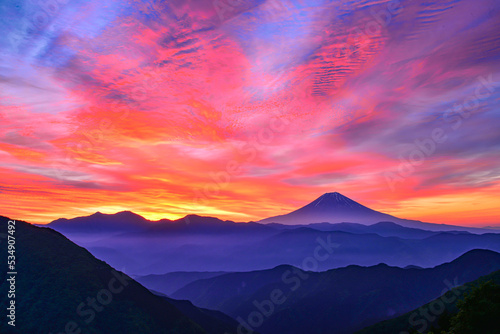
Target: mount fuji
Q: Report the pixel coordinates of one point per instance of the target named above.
(336, 208)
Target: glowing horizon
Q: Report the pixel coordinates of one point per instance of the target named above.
(249, 111)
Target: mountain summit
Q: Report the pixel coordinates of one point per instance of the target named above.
(335, 200)
(336, 208)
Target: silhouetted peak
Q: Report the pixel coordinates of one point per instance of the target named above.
(193, 218)
(386, 224)
(333, 194)
(121, 214)
(128, 214)
(478, 253)
(283, 267)
(411, 266)
(334, 199)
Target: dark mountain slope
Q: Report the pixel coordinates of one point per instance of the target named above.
(339, 300)
(61, 285)
(212, 321)
(414, 321)
(170, 282)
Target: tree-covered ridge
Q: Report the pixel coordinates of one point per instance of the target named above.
(475, 310)
(478, 312)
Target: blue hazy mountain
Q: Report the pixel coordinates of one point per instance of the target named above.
(170, 282)
(335, 301)
(196, 243)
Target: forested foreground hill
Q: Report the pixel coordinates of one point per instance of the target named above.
(339, 301)
(468, 309)
(61, 288)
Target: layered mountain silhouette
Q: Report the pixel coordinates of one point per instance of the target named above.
(384, 229)
(120, 222)
(336, 265)
(328, 209)
(340, 300)
(196, 243)
(129, 222)
(61, 285)
(159, 253)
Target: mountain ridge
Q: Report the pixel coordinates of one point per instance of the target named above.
(330, 208)
(346, 299)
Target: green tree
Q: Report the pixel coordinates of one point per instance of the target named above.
(479, 311)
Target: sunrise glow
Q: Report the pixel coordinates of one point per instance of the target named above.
(244, 112)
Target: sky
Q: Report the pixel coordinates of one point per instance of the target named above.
(246, 109)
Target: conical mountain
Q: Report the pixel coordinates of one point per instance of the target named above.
(336, 208)
(334, 203)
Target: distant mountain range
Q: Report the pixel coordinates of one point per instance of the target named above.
(340, 300)
(494, 227)
(232, 249)
(384, 229)
(195, 243)
(328, 209)
(170, 282)
(206, 275)
(129, 222)
(61, 287)
(120, 222)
